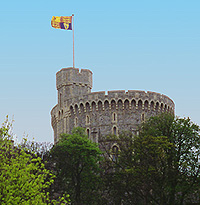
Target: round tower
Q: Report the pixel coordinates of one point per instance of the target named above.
(99, 112)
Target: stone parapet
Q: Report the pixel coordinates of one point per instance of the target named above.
(101, 113)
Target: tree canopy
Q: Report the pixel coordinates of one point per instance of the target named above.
(77, 169)
(23, 177)
(160, 166)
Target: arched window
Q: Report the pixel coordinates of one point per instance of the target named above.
(114, 117)
(115, 153)
(143, 117)
(88, 132)
(114, 130)
(76, 122)
(87, 119)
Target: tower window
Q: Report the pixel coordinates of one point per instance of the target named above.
(88, 132)
(114, 117)
(114, 130)
(76, 122)
(115, 153)
(87, 119)
(142, 117)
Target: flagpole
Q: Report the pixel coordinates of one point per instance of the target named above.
(73, 39)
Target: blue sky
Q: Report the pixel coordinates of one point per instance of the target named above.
(129, 45)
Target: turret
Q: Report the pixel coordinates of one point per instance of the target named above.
(71, 83)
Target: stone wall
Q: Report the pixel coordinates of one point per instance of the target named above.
(101, 113)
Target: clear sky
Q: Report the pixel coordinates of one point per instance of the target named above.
(149, 45)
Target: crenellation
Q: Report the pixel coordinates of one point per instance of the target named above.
(78, 106)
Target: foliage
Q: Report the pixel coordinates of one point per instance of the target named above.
(160, 166)
(76, 161)
(182, 164)
(23, 177)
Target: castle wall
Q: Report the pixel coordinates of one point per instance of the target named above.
(102, 114)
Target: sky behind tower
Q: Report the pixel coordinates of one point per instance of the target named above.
(129, 45)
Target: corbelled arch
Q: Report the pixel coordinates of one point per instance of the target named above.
(126, 104)
(133, 104)
(100, 105)
(140, 104)
(113, 104)
(161, 106)
(165, 108)
(152, 105)
(76, 109)
(93, 105)
(87, 106)
(120, 104)
(157, 106)
(106, 105)
(146, 105)
(71, 110)
(81, 108)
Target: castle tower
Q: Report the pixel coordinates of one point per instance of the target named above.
(101, 113)
(71, 83)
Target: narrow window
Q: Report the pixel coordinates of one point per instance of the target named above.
(142, 117)
(87, 119)
(76, 122)
(88, 132)
(114, 130)
(115, 153)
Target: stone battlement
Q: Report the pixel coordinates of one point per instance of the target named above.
(67, 76)
(101, 113)
(148, 98)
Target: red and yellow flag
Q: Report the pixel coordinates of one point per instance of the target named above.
(62, 22)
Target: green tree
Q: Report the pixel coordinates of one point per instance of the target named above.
(182, 166)
(23, 177)
(76, 160)
(160, 166)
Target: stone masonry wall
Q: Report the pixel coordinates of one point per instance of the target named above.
(101, 113)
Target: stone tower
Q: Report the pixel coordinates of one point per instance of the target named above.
(98, 112)
(71, 83)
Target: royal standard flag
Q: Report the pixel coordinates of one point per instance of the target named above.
(62, 22)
